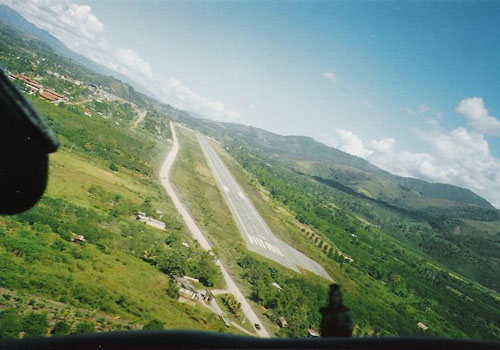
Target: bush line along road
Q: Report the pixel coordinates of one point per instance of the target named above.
(198, 235)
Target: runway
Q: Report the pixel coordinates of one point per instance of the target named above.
(255, 232)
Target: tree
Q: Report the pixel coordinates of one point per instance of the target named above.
(232, 304)
(205, 270)
(35, 325)
(173, 262)
(113, 167)
(172, 290)
(84, 327)
(9, 325)
(60, 328)
(153, 325)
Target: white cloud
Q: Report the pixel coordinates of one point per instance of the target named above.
(331, 76)
(351, 143)
(423, 108)
(477, 116)
(460, 156)
(78, 28)
(180, 95)
(382, 145)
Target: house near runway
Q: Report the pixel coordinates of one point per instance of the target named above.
(142, 217)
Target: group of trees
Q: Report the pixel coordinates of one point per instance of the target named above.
(378, 257)
(174, 258)
(298, 300)
(31, 324)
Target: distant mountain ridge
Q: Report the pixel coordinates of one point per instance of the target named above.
(304, 153)
(316, 159)
(13, 19)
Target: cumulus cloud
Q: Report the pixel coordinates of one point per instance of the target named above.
(349, 142)
(477, 116)
(460, 156)
(78, 28)
(382, 145)
(182, 96)
(331, 76)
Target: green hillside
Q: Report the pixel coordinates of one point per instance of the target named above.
(325, 161)
(402, 252)
(429, 217)
(118, 277)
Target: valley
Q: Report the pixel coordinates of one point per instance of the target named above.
(404, 252)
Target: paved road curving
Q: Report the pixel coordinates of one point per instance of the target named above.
(198, 235)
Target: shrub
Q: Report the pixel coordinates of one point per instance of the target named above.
(9, 324)
(35, 325)
(84, 327)
(172, 290)
(153, 325)
(60, 328)
(113, 167)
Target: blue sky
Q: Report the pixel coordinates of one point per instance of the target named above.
(412, 87)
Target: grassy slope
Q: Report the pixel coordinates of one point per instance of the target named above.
(362, 294)
(369, 299)
(109, 276)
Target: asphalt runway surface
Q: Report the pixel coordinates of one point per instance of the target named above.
(255, 232)
(198, 235)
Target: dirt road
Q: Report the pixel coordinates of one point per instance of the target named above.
(198, 235)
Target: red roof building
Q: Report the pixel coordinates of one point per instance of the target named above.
(50, 96)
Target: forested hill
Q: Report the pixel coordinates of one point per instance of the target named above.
(450, 224)
(306, 155)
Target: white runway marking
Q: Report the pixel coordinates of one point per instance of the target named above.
(270, 247)
(279, 252)
(250, 237)
(250, 223)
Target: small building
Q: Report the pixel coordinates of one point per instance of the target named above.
(76, 238)
(150, 221)
(192, 279)
(282, 322)
(186, 290)
(422, 326)
(52, 96)
(311, 333)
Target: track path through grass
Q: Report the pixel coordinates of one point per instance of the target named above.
(198, 235)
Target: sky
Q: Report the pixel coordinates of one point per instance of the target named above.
(412, 87)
